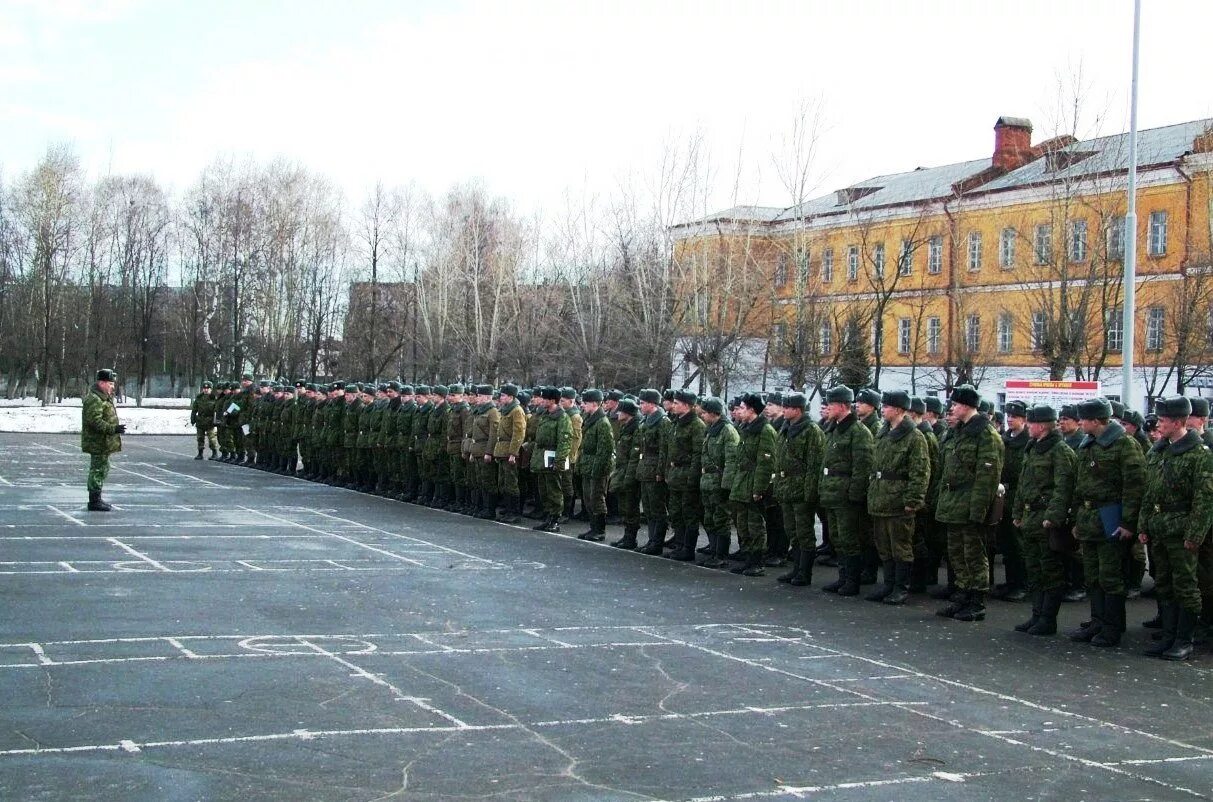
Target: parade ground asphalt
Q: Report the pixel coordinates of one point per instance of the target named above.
(230, 634)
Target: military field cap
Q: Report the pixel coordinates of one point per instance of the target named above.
(107, 375)
(713, 406)
(1200, 407)
(524, 397)
(895, 398)
(794, 400)
(207, 384)
(615, 395)
(484, 389)
(986, 406)
(998, 416)
(336, 386)
(1042, 413)
(568, 392)
(775, 398)
(1016, 409)
(839, 395)
(650, 396)
(686, 397)
(1118, 410)
(917, 405)
(394, 385)
(265, 383)
(406, 389)
(439, 389)
(300, 383)
(934, 404)
(246, 377)
(1151, 422)
(1134, 417)
(667, 395)
(509, 389)
(872, 397)
(351, 388)
(628, 407)
(550, 393)
(1177, 407)
(288, 388)
(968, 396)
(423, 389)
(454, 389)
(754, 401)
(592, 395)
(1094, 408)
(1068, 411)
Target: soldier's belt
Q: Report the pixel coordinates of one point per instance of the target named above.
(680, 464)
(826, 472)
(794, 472)
(711, 470)
(891, 475)
(1094, 504)
(1036, 506)
(1174, 506)
(961, 486)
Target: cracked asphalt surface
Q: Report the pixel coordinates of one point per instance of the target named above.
(228, 634)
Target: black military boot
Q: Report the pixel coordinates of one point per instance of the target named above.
(805, 577)
(1156, 621)
(552, 524)
(950, 610)
(628, 541)
(199, 453)
(869, 563)
(567, 513)
(974, 610)
(511, 510)
(599, 522)
(1113, 620)
(854, 569)
(948, 588)
(884, 590)
(686, 546)
(1050, 603)
(653, 546)
(589, 533)
(1037, 604)
(901, 583)
(752, 566)
(1169, 614)
(488, 506)
(214, 456)
(791, 574)
(837, 584)
(720, 559)
(1185, 635)
(1089, 629)
(96, 503)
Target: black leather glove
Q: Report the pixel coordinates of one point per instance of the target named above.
(121, 429)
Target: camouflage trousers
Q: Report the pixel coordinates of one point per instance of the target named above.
(846, 529)
(798, 521)
(629, 505)
(507, 478)
(550, 494)
(1175, 573)
(593, 494)
(894, 537)
(716, 518)
(653, 500)
(683, 505)
(207, 434)
(1046, 569)
(1103, 563)
(98, 470)
(486, 476)
(968, 556)
(751, 526)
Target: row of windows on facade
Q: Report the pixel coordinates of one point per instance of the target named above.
(931, 332)
(1042, 248)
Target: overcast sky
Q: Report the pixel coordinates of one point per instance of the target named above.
(536, 98)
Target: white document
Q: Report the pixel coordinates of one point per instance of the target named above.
(245, 428)
(233, 407)
(549, 459)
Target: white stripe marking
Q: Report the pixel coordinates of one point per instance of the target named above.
(63, 514)
(334, 534)
(136, 553)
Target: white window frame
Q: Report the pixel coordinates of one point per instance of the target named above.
(1114, 330)
(934, 334)
(852, 263)
(935, 255)
(904, 334)
(1158, 233)
(878, 260)
(1155, 331)
(780, 278)
(973, 333)
(1116, 238)
(1078, 241)
(1005, 332)
(905, 259)
(825, 338)
(1006, 248)
(827, 265)
(974, 251)
(1039, 329)
(1042, 244)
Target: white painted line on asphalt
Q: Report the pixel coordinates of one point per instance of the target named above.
(402, 537)
(176, 644)
(335, 535)
(63, 514)
(5, 482)
(144, 476)
(185, 475)
(138, 554)
(68, 567)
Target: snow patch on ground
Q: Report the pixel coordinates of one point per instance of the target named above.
(65, 419)
(174, 403)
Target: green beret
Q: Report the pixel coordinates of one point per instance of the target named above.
(839, 395)
(966, 395)
(510, 390)
(1200, 407)
(1042, 413)
(628, 407)
(594, 396)
(1015, 409)
(1177, 407)
(686, 397)
(1094, 409)
(917, 405)
(895, 398)
(650, 396)
(713, 405)
(794, 400)
(934, 404)
(871, 397)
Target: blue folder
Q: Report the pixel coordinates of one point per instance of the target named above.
(1110, 516)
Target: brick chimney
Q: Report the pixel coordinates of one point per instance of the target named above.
(1012, 143)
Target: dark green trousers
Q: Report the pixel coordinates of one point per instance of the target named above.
(1175, 573)
(967, 554)
(98, 470)
(653, 499)
(593, 493)
(799, 518)
(846, 529)
(1103, 565)
(894, 537)
(751, 526)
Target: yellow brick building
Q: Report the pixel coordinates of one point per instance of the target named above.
(1004, 267)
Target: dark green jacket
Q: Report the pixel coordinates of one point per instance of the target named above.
(554, 433)
(936, 465)
(1046, 481)
(873, 422)
(718, 463)
(597, 456)
(202, 411)
(99, 424)
(901, 471)
(651, 440)
(972, 467)
(755, 461)
(334, 423)
(387, 429)
(404, 425)
(421, 427)
(1111, 470)
(1014, 449)
(1177, 503)
(435, 428)
(684, 452)
(846, 464)
(800, 448)
(626, 453)
(350, 423)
